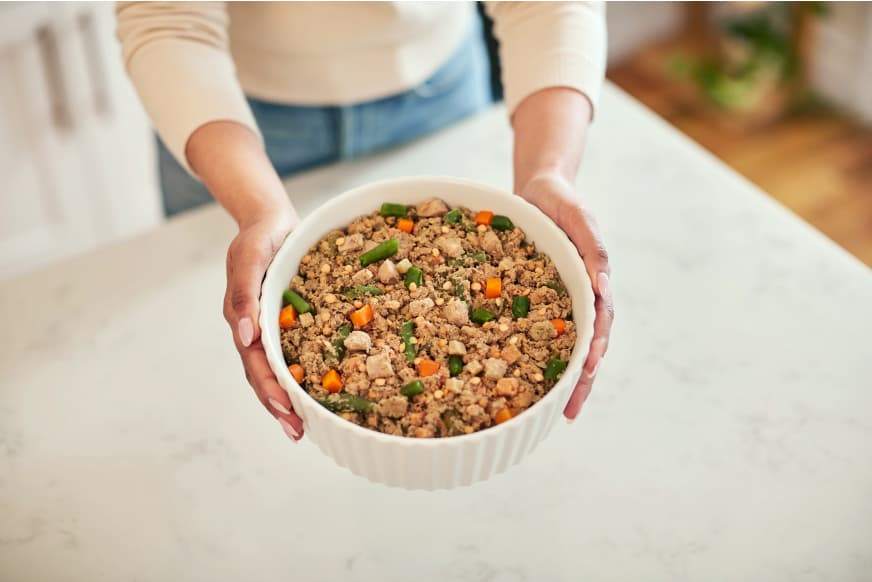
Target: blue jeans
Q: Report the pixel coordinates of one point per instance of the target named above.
(298, 138)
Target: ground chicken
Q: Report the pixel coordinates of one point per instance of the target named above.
(420, 306)
(542, 330)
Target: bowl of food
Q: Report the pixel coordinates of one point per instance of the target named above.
(429, 331)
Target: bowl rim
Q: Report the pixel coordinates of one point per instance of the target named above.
(579, 351)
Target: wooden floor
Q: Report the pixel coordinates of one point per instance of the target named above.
(818, 165)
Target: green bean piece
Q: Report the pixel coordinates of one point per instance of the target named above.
(481, 315)
(361, 291)
(345, 402)
(479, 257)
(386, 249)
(344, 330)
(520, 306)
(414, 275)
(339, 347)
(454, 216)
(554, 368)
(391, 209)
(500, 222)
(455, 365)
(407, 332)
(300, 305)
(413, 388)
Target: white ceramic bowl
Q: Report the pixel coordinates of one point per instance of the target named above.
(438, 463)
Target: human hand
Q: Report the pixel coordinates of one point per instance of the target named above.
(556, 197)
(248, 257)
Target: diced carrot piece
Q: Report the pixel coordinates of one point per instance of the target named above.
(427, 368)
(287, 317)
(297, 372)
(559, 325)
(405, 224)
(331, 381)
(362, 316)
(484, 217)
(493, 287)
(502, 416)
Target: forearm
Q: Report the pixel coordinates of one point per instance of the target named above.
(550, 132)
(233, 165)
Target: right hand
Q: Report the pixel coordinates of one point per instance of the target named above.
(247, 260)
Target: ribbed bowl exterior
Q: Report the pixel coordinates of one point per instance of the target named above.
(441, 463)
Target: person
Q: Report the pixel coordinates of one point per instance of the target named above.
(243, 93)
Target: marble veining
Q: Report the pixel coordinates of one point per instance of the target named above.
(727, 439)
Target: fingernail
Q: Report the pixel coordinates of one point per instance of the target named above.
(246, 331)
(289, 430)
(570, 421)
(278, 406)
(602, 284)
(592, 373)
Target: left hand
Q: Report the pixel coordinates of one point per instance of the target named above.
(556, 197)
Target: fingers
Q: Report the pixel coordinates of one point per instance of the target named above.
(598, 346)
(247, 261)
(269, 391)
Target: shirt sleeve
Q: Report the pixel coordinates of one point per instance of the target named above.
(177, 56)
(550, 44)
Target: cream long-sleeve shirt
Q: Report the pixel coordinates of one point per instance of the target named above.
(193, 63)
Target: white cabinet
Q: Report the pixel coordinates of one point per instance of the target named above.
(77, 162)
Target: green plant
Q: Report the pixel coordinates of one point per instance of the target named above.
(762, 50)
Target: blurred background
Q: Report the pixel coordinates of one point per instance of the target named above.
(778, 91)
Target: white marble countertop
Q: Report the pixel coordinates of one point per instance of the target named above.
(729, 436)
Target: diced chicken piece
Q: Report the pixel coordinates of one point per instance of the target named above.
(352, 242)
(394, 407)
(491, 244)
(456, 312)
(404, 266)
(432, 207)
(387, 272)
(306, 319)
(362, 277)
(450, 245)
(358, 341)
(474, 367)
(511, 354)
(379, 366)
(369, 245)
(456, 348)
(420, 306)
(495, 368)
(507, 386)
(507, 264)
(454, 385)
(542, 330)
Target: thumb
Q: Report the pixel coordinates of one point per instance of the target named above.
(247, 261)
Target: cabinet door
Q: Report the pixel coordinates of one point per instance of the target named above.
(43, 213)
(76, 152)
